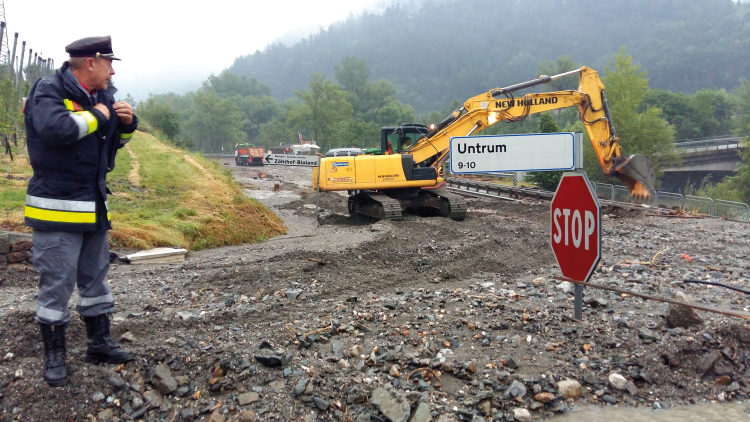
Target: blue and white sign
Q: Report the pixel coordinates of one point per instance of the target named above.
(504, 153)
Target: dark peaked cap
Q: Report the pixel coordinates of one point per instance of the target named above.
(92, 47)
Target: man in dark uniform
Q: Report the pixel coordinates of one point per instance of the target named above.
(74, 128)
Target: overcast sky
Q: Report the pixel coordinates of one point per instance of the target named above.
(171, 45)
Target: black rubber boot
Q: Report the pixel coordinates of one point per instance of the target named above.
(101, 346)
(55, 372)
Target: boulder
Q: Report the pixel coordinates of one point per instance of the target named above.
(682, 316)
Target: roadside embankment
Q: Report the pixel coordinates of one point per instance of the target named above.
(162, 197)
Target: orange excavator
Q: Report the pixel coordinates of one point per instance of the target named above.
(382, 186)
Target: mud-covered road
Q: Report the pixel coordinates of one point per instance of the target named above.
(421, 319)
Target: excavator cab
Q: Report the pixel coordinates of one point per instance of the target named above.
(399, 139)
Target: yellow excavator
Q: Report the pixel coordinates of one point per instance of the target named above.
(409, 173)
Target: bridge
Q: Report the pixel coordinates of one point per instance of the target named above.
(717, 157)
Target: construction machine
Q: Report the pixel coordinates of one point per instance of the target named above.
(248, 155)
(409, 174)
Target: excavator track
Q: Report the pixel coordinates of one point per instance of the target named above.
(457, 204)
(375, 205)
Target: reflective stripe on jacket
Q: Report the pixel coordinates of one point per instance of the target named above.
(71, 147)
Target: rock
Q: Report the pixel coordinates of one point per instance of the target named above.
(99, 396)
(647, 335)
(516, 389)
(271, 361)
(682, 316)
(187, 415)
(247, 416)
(570, 389)
(293, 294)
(127, 338)
(521, 415)
(153, 398)
(247, 398)
(609, 399)
(217, 416)
(116, 381)
(16, 257)
(355, 351)
(4, 242)
(163, 379)
(391, 404)
(105, 415)
(707, 363)
(566, 287)
(136, 403)
(343, 364)
(723, 367)
(321, 403)
(422, 414)
(394, 371)
(544, 397)
(21, 245)
(300, 387)
(618, 382)
(510, 362)
(589, 378)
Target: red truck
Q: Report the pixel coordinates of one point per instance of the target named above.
(248, 155)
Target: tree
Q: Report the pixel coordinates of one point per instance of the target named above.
(547, 180)
(561, 65)
(645, 132)
(320, 110)
(743, 111)
(352, 74)
(161, 117)
(215, 122)
(228, 84)
(130, 100)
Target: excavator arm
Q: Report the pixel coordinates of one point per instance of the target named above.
(500, 104)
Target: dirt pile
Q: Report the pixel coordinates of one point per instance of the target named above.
(423, 319)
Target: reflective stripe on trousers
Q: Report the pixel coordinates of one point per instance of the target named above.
(67, 259)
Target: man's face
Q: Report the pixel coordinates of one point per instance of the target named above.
(102, 73)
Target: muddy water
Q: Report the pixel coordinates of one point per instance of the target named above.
(698, 413)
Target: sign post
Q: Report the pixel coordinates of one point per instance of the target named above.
(575, 234)
(576, 230)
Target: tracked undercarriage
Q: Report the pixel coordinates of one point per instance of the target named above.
(390, 204)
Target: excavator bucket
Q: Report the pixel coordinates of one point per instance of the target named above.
(638, 174)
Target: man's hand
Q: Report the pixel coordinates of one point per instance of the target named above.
(124, 112)
(105, 111)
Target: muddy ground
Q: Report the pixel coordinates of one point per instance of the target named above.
(421, 319)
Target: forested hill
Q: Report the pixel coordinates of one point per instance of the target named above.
(444, 50)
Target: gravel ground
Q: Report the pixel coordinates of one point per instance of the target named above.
(417, 320)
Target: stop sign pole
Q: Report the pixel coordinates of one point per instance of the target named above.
(575, 234)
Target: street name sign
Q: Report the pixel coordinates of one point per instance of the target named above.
(292, 160)
(502, 153)
(576, 227)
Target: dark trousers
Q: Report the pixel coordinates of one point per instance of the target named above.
(67, 259)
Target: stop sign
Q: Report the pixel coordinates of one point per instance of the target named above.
(576, 227)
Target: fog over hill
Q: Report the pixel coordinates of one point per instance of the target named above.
(435, 51)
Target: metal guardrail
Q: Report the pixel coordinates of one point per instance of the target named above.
(731, 209)
(618, 195)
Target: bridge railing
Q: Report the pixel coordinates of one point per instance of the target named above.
(708, 144)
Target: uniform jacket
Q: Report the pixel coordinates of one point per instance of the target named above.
(71, 147)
